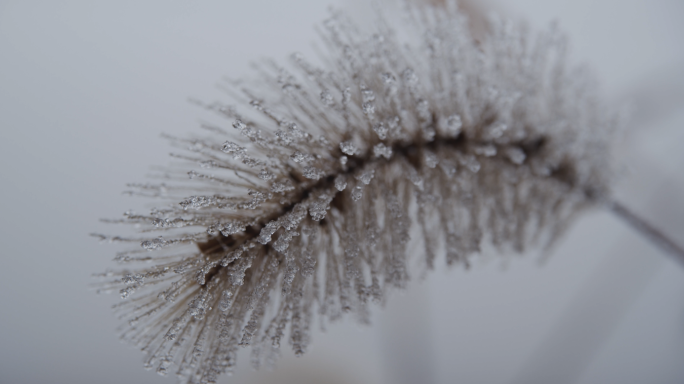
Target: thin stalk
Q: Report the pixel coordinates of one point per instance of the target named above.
(656, 236)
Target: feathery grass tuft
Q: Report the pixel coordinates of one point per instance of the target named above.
(309, 201)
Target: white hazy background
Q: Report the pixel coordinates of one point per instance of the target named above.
(87, 87)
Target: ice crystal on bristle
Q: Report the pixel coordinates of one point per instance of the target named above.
(331, 174)
(382, 150)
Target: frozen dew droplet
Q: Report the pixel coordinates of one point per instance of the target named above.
(265, 175)
(308, 265)
(357, 193)
(431, 159)
(257, 199)
(289, 88)
(231, 148)
(429, 133)
(382, 150)
(485, 150)
(324, 141)
(284, 137)
(353, 251)
(319, 207)
(542, 168)
(266, 232)
(168, 223)
(239, 125)
(348, 148)
(393, 123)
(448, 167)
(303, 158)
(340, 182)
(496, 130)
(515, 155)
(226, 301)
(283, 241)
(415, 178)
(327, 98)
(343, 160)
(199, 305)
(471, 163)
(313, 173)
(232, 256)
(208, 164)
(127, 291)
(231, 227)
(453, 125)
(244, 129)
(212, 230)
(296, 132)
(133, 279)
(381, 130)
(153, 244)
(282, 186)
(367, 95)
(164, 365)
(423, 109)
(292, 219)
(387, 79)
(409, 76)
(250, 161)
(366, 176)
(197, 202)
(368, 108)
(346, 96)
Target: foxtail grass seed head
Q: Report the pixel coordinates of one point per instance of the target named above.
(306, 202)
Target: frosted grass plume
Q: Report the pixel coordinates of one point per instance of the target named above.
(307, 203)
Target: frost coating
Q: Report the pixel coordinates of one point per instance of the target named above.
(335, 181)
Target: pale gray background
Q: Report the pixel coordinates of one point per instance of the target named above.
(87, 87)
